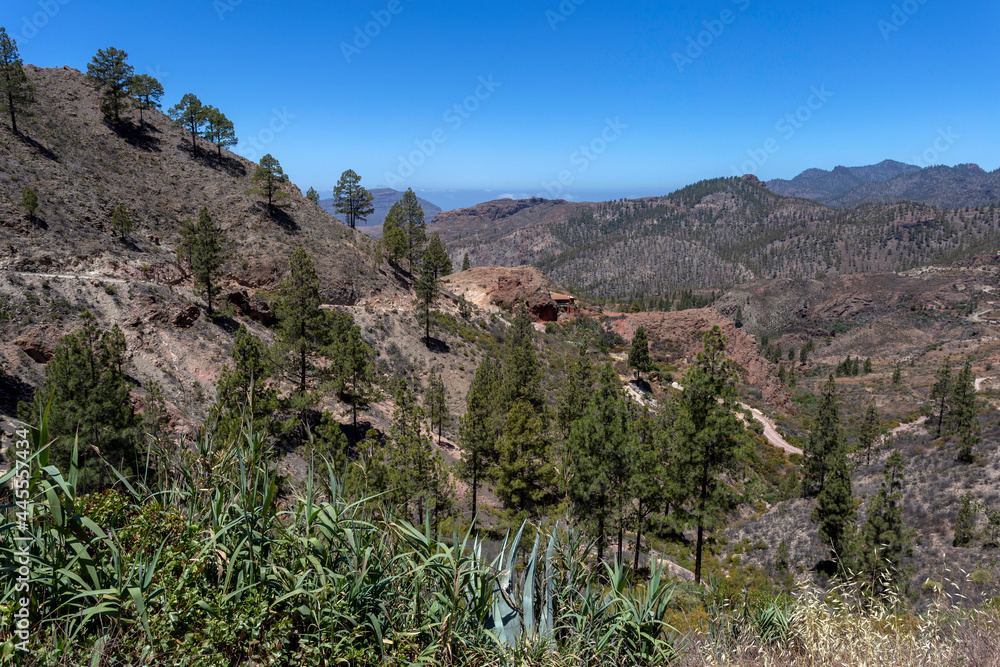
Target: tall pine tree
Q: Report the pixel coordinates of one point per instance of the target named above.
(711, 445)
(17, 93)
(884, 538)
(638, 354)
(825, 439)
(351, 200)
(963, 417)
(941, 394)
(110, 74)
(206, 256)
(476, 429)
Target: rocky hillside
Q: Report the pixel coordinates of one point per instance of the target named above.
(384, 198)
(710, 235)
(961, 186)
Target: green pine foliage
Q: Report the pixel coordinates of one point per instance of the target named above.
(522, 374)
(427, 290)
(711, 449)
(871, 431)
(312, 195)
(17, 93)
(86, 386)
(965, 522)
(121, 222)
(825, 440)
(190, 114)
(884, 537)
(436, 403)
(466, 262)
(303, 331)
(394, 238)
(638, 354)
(146, 93)
(29, 202)
(480, 456)
(413, 224)
(835, 512)
(963, 418)
(268, 179)
(941, 394)
(110, 74)
(219, 130)
(245, 389)
(525, 473)
(206, 255)
(352, 200)
(352, 362)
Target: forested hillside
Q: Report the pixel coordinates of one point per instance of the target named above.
(727, 231)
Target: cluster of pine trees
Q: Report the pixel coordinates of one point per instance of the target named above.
(956, 409)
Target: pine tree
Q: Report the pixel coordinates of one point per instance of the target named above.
(436, 403)
(416, 476)
(353, 365)
(525, 472)
(963, 418)
(206, 255)
(825, 440)
(522, 375)
(897, 376)
(86, 384)
(29, 202)
(476, 432)
(466, 262)
(576, 393)
(593, 440)
(268, 179)
(645, 489)
(394, 234)
(414, 225)
(965, 522)
(464, 310)
(437, 255)
(17, 93)
(868, 366)
(870, 431)
(312, 195)
(941, 393)
(638, 354)
(351, 200)
(219, 130)
(884, 538)
(711, 447)
(190, 114)
(121, 222)
(426, 289)
(110, 74)
(244, 389)
(146, 94)
(303, 327)
(835, 512)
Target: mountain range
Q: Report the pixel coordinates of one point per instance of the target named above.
(384, 199)
(961, 186)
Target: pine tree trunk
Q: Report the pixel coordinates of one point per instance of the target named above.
(600, 538)
(10, 105)
(621, 536)
(638, 543)
(697, 557)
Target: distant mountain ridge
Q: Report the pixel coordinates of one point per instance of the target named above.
(961, 186)
(384, 199)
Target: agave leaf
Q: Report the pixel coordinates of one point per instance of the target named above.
(547, 611)
(528, 594)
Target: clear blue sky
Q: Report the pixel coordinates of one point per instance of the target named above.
(892, 77)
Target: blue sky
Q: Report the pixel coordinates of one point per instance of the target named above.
(584, 99)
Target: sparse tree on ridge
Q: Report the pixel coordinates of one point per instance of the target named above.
(312, 195)
(17, 93)
(466, 262)
(146, 93)
(414, 225)
(190, 114)
(121, 222)
(352, 200)
(219, 130)
(110, 73)
(394, 238)
(29, 202)
(427, 291)
(268, 179)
